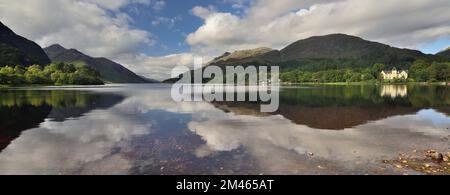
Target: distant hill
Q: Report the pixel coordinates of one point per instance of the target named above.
(110, 71)
(329, 52)
(326, 52)
(345, 50)
(17, 50)
(149, 80)
(445, 53)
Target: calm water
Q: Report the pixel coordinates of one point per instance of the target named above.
(138, 129)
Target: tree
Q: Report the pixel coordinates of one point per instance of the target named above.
(438, 71)
(3, 79)
(421, 75)
(7, 70)
(19, 70)
(55, 73)
(376, 70)
(35, 75)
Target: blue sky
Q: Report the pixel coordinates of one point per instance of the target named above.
(435, 46)
(177, 22)
(151, 37)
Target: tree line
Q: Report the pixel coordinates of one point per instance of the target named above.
(419, 71)
(53, 74)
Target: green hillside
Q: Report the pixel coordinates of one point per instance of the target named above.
(339, 58)
(110, 71)
(17, 50)
(445, 53)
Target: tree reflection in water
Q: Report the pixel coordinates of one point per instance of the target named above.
(25, 109)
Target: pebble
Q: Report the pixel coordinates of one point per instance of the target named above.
(431, 151)
(446, 159)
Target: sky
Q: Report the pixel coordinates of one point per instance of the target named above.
(151, 37)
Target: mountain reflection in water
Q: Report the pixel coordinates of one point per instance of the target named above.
(338, 107)
(26, 109)
(139, 129)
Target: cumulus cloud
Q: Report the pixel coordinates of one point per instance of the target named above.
(96, 27)
(203, 12)
(277, 23)
(157, 67)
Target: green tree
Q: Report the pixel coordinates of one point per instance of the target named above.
(35, 75)
(376, 70)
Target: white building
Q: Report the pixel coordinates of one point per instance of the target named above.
(394, 74)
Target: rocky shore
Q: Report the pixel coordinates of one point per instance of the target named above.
(429, 162)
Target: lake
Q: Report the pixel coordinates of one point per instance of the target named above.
(139, 129)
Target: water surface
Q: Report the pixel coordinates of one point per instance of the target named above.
(138, 129)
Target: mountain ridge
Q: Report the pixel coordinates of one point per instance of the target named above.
(323, 53)
(17, 50)
(109, 70)
(333, 50)
(445, 53)
(263, 54)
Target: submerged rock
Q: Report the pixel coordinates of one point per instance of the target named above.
(435, 155)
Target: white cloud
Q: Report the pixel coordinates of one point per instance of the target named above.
(166, 21)
(159, 5)
(403, 23)
(116, 4)
(157, 67)
(203, 12)
(96, 27)
(237, 4)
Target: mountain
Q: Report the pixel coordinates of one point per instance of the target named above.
(329, 52)
(262, 55)
(149, 80)
(445, 53)
(110, 71)
(17, 50)
(326, 52)
(341, 46)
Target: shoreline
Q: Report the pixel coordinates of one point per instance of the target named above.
(282, 84)
(369, 83)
